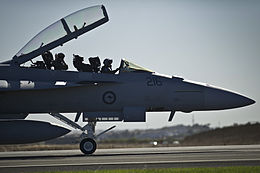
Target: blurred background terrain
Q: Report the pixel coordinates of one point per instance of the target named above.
(179, 135)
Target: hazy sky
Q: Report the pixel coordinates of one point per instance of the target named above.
(211, 41)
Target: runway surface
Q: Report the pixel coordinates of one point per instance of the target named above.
(168, 157)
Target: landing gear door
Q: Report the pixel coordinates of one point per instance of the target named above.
(62, 31)
(134, 114)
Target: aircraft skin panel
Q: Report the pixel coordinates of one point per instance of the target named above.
(16, 79)
(28, 131)
(83, 98)
(44, 86)
(13, 116)
(91, 98)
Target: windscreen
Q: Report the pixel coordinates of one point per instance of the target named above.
(127, 66)
(65, 27)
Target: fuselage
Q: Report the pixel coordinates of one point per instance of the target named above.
(38, 91)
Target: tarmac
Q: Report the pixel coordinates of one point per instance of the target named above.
(130, 158)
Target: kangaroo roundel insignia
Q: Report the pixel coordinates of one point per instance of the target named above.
(109, 97)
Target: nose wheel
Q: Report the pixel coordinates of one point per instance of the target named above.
(88, 146)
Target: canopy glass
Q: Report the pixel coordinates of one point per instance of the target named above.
(64, 30)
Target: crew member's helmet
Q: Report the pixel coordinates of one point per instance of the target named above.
(78, 58)
(107, 62)
(61, 56)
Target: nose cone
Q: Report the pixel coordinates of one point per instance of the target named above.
(218, 99)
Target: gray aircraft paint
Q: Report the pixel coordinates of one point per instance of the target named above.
(28, 131)
(136, 89)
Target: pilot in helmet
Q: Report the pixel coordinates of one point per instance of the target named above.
(59, 63)
(107, 67)
(48, 59)
(79, 65)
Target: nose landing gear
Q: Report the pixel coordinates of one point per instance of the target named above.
(88, 144)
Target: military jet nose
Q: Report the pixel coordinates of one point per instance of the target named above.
(217, 99)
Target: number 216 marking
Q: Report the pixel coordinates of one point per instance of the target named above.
(153, 81)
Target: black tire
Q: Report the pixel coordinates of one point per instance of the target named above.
(88, 146)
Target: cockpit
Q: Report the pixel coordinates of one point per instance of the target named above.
(62, 31)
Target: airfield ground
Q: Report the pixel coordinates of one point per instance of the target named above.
(247, 156)
(235, 169)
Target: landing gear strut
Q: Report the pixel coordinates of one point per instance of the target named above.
(88, 144)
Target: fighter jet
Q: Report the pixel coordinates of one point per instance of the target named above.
(122, 96)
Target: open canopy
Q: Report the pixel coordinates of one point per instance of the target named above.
(62, 31)
(127, 66)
